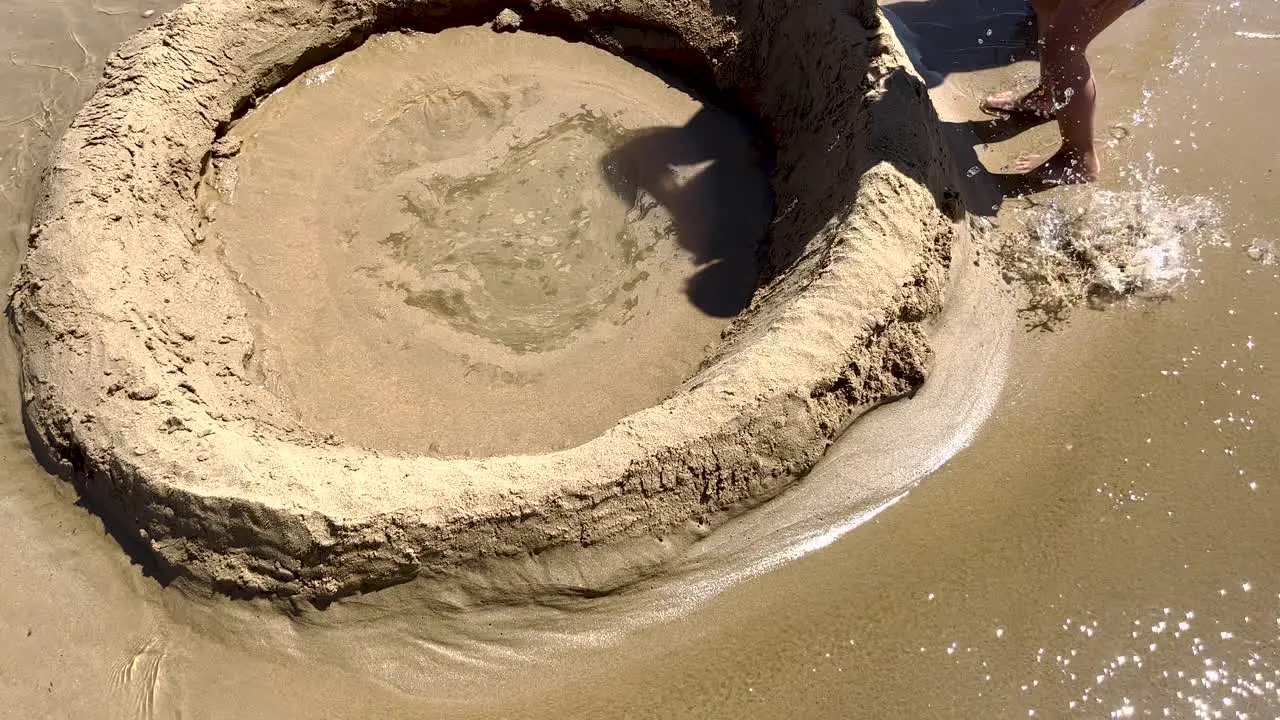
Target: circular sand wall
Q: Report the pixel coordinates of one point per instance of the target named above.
(143, 375)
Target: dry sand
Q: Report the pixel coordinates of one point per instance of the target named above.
(142, 365)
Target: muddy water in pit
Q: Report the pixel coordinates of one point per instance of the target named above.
(468, 243)
(1104, 549)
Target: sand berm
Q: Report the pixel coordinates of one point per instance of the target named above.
(137, 353)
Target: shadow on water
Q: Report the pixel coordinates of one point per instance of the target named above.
(957, 36)
(710, 180)
(1000, 185)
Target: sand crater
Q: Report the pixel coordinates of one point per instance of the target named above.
(174, 322)
(466, 243)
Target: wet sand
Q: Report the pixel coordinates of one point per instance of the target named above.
(462, 258)
(141, 371)
(1109, 503)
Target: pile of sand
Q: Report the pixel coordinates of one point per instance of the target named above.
(176, 399)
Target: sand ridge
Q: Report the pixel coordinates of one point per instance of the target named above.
(142, 372)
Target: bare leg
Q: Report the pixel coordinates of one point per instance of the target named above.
(1065, 71)
(1038, 102)
(1045, 10)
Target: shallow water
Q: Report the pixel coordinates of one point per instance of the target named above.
(480, 244)
(1104, 548)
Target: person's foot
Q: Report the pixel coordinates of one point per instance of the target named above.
(1038, 103)
(1065, 167)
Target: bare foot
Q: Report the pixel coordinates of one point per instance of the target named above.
(1038, 102)
(1065, 167)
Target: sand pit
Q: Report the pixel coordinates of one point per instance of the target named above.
(468, 243)
(263, 333)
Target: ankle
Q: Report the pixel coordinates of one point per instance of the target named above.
(1084, 152)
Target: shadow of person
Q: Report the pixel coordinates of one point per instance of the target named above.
(709, 177)
(992, 188)
(955, 36)
(999, 129)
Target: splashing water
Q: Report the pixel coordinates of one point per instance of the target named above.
(1098, 246)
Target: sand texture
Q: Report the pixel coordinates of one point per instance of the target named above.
(149, 377)
(472, 243)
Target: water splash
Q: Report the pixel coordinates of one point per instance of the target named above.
(1099, 246)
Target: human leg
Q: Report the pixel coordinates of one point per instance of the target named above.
(1037, 102)
(1065, 72)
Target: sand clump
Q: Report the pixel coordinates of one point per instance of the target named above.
(507, 21)
(149, 377)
